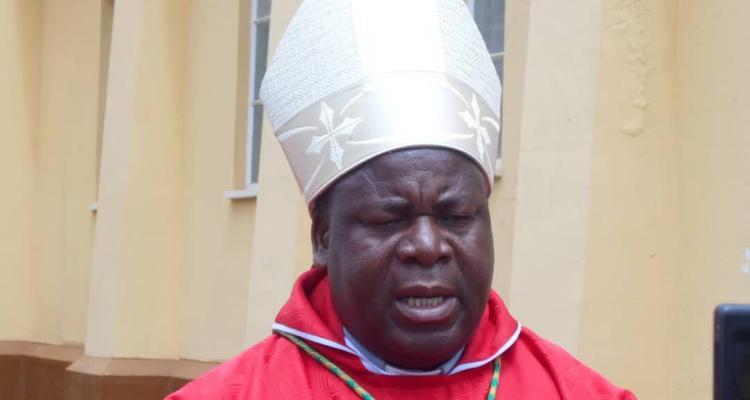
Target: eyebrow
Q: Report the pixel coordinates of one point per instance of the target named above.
(454, 200)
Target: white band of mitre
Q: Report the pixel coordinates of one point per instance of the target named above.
(393, 111)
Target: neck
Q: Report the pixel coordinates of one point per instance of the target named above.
(379, 366)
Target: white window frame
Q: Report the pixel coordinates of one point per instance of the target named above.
(254, 100)
(494, 56)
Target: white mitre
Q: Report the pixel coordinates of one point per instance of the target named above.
(353, 79)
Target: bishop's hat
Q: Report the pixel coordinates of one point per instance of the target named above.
(354, 79)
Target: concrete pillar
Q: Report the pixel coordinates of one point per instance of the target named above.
(630, 257)
(134, 307)
(554, 167)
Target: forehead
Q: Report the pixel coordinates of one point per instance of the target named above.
(406, 173)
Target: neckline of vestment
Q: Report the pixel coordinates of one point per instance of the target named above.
(361, 391)
(377, 365)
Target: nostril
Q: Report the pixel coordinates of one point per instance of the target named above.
(429, 254)
(443, 259)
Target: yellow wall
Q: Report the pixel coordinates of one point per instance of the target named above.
(219, 232)
(619, 217)
(630, 250)
(50, 107)
(139, 250)
(65, 150)
(712, 85)
(20, 42)
(554, 152)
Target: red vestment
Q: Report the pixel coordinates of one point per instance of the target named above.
(532, 368)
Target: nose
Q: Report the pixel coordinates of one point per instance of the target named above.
(424, 244)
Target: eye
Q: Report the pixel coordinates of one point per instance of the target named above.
(458, 219)
(392, 221)
(382, 220)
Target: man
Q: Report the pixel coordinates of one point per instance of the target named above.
(388, 113)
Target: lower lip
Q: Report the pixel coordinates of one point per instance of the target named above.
(440, 313)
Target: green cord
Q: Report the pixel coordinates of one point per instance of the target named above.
(359, 390)
(331, 366)
(495, 381)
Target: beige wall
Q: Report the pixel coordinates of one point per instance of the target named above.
(618, 218)
(219, 241)
(65, 150)
(555, 151)
(664, 232)
(712, 88)
(630, 250)
(20, 42)
(49, 130)
(176, 99)
(139, 250)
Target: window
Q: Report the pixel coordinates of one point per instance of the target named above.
(490, 18)
(258, 62)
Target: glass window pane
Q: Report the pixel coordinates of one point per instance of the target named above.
(261, 56)
(500, 144)
(254, 156)
(499, 62)
(490, 17)
(264, 8)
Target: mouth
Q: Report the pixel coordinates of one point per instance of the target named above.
(424, 302)
(419, 305)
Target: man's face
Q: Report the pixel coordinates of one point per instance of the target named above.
(408, 245)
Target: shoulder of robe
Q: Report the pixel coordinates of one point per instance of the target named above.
(573, 379)
(267, 369)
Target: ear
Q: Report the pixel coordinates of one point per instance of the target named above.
(319, 236)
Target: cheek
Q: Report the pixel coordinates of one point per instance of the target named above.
(360, 263)
(475, 256)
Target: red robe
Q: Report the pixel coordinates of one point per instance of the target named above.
(532, 368)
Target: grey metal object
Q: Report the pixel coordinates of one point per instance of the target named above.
(732, 352)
